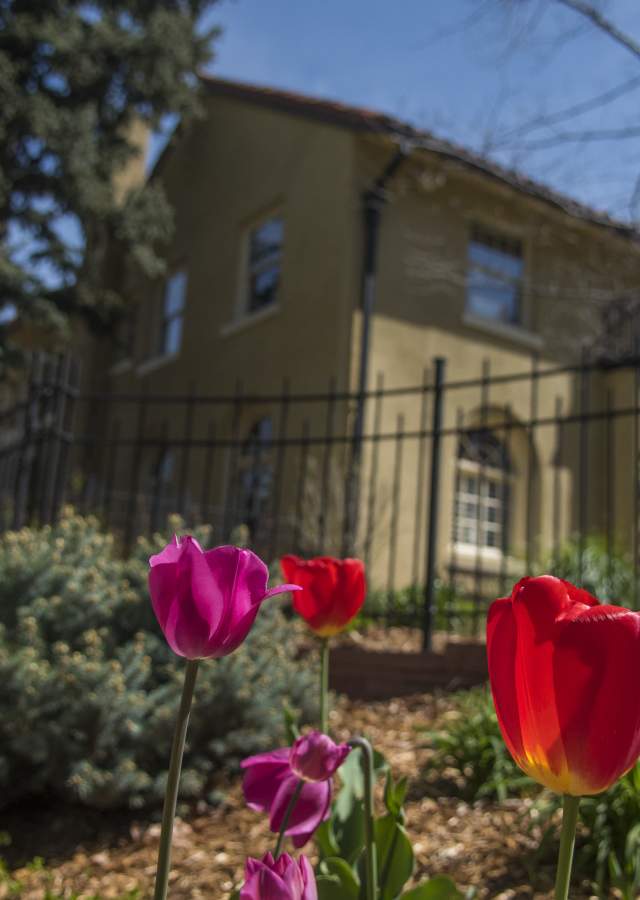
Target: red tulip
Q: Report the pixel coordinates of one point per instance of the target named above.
(564, 673)
(332, 592)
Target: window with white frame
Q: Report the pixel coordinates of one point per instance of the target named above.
(172, 314)
(482, 492)
(264, 263)
(494, 277)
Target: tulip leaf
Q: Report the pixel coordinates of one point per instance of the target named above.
(395, 856)
(394, 795)
(349, 832)
(339, 869)
(439, 888)
(326, 840)
(331, 888)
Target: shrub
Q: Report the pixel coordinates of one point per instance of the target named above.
(608, 576)
(472, 751)
(90, 688)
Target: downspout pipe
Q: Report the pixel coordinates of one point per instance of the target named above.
(374, 201)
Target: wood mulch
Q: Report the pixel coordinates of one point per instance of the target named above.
(482, 845)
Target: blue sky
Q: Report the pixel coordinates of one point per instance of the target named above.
(464, 69)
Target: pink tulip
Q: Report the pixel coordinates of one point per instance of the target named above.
(207, 601)
(284, 879)
(270, 781)
(314, 756)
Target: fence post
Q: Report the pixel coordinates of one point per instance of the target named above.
(432, 536)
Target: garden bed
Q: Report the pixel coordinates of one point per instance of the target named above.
(481, 844)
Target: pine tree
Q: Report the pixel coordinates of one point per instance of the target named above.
(78, 82)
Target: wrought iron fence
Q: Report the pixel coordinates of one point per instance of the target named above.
(456, 487)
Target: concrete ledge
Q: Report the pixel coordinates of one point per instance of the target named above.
(378, 675)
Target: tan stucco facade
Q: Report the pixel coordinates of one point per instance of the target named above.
(243, 161)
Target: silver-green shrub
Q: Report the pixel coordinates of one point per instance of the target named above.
(89, 689)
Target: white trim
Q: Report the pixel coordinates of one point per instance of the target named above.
(249, 319)
(492, 560)
(155, 362)
(515, 333)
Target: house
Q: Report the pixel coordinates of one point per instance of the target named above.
(320, 248)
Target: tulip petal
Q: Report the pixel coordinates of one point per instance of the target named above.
(163, 586)
(311, 808)
(537, 602)
(310, 891)
(264, 884)
(264, 776)
(597, 659)
(242, 579)
(282, 589)
(501, 658)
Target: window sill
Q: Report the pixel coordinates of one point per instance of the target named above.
(249, 319)
(515, 333)
(120, 367)
(155, 362)
(490, 559)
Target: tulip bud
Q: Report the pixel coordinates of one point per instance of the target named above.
(315, 757)
(206, 601)
(282, 879)
(333, 591)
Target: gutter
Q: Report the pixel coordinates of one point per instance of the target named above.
(374, 201)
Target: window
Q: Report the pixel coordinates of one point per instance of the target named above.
(482, 491)
(255, 476)
(173, 304)
(264, 263)
(494, 277)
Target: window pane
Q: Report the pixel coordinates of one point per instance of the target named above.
(497, 261)
(172, 336)
(492, 298)
(264, 288)
(175, 293)
(265, 241)
(495, 270)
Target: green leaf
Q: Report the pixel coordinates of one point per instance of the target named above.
(330, 888)
(394, 795)
(291, 725)
(326, 840)
(349, 832)
(439, 888)
(395, 856)
(336, 868)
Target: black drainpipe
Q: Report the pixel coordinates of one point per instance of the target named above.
(374, 201)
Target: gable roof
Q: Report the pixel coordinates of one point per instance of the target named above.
(361, 119)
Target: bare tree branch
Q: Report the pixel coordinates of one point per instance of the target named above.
(577, 137)
(589, 11)
(572, 112)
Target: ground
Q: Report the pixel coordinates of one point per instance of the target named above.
(483, 845)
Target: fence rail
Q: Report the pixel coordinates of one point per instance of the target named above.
(456, 486)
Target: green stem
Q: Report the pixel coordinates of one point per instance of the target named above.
(324, 685)
(567, 841)
(286, 817)
(371, 862)
(173, 779)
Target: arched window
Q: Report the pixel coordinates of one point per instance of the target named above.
(482, 492)
(255, 475)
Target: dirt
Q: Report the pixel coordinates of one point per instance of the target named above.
(482, 845)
